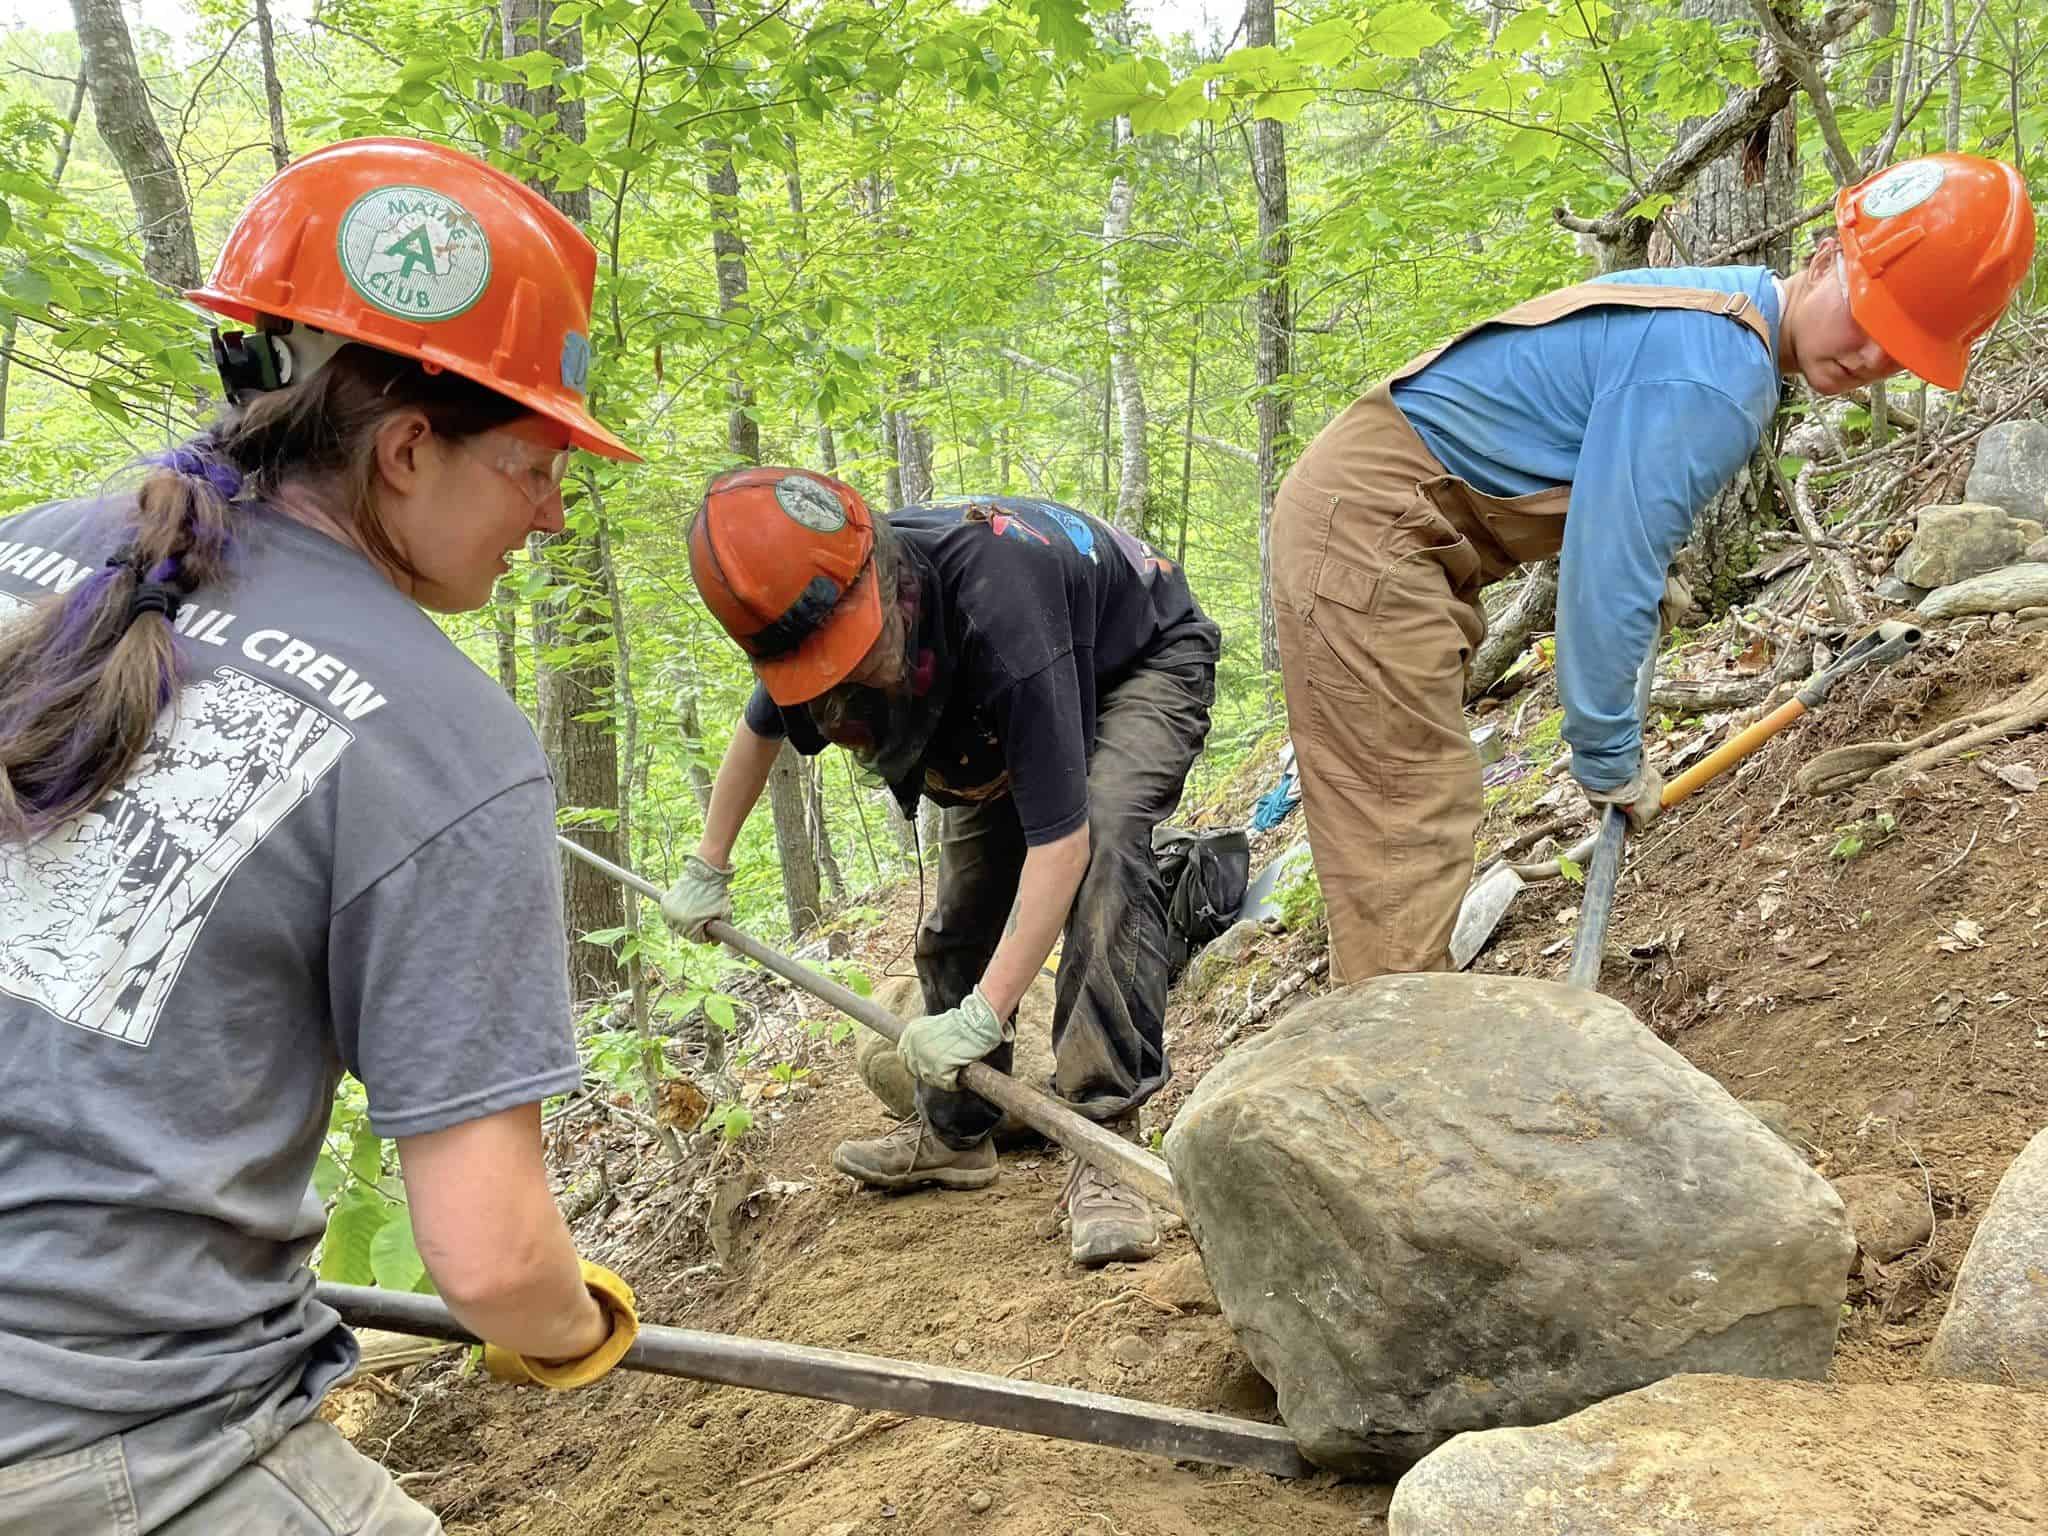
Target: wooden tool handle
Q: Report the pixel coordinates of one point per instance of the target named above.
(1084, 1138)
(1729, 753)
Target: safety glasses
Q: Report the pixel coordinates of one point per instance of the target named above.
(538, 478)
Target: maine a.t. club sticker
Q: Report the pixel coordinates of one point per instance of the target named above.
(810, 503)
(414, 252)
(1902, 189)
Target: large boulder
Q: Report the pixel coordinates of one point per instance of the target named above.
(1720, 1456)
(2011, 470)
(1996, 1327)
(1436, 1203)
(1953, 543)
(889, 1080)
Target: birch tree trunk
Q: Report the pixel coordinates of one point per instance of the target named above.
(1133, 478)
(1275, 326)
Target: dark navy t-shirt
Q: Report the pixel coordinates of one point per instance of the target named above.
(1046, 609)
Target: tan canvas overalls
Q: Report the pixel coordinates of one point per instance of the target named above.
(1378, 557)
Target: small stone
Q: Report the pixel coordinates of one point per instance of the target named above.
(1130, 1351)
(2038, 550)
(979, 1503)
(1888, 1213)
(1953, 543)
(962, 1349)
(2001, 622)
(1180, 1283)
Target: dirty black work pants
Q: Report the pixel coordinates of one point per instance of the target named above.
(1109, 1013)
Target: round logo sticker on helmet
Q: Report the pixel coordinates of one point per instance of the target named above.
(1903, 189)
(414, 252)
(810, 503)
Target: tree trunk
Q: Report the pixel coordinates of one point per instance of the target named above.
(1508, 634)
(892, 477)
(8, 326)
(505, 621)
(743, 442)
(828, 451)
(901, 825)
(821, 830)
(1276, 327)
(1952, 112)
(273, 88)
(792, 841)
(913, 448)
(1752, 188)
(120, 107)
(574, 684)
(729, 256)
(691, 724)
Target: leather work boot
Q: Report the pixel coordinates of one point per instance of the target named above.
(911, 1157)
(1109, 1222)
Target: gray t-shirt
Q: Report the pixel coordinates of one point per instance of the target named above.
(337, 853)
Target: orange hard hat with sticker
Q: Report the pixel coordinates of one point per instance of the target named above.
(422, 250)
(1933, 250)
(784, 559)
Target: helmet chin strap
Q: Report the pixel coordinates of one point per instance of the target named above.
(277, 354)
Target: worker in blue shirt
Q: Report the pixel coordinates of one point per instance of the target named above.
(1597, 421)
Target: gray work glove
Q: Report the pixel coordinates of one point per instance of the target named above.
(703, 893)
(936, 1046)
(1642, 796)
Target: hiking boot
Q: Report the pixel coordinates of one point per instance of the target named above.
(911, 1157)
(1110, 1223)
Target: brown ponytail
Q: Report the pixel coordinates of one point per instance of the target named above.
(84, 676)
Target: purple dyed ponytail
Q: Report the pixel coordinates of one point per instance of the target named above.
(84, 677)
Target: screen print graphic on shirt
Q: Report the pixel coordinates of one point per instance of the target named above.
(98, 916)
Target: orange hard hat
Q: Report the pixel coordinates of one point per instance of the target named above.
(422, 250)
(783, 558)
(1934, 249)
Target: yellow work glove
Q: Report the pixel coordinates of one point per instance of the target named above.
(616, 1297)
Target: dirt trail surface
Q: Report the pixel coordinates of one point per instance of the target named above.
(1878, 963)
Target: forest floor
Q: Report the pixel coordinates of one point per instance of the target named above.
(1874, 963)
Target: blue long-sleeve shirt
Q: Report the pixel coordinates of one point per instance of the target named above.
(1645, 413)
